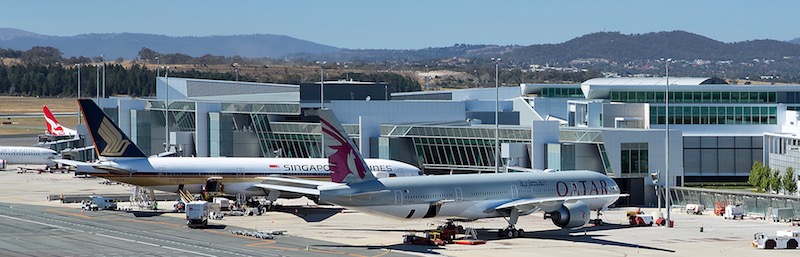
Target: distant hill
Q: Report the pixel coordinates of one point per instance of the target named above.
(127, 45)
(612, 46)
(795, 41)
(683, 45)
(393, 55)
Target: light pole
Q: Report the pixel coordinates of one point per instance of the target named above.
(79, 91)
(103, 59)
(496, 114)
(166, 110)
(97, 84)
(666, 149)
(321, 104)
(236, 70)
(158, 67)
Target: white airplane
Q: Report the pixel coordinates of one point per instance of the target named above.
(53, 127)
(25, 155)
(566, 197)
(121, 160)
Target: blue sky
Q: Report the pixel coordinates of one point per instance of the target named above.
(409, 24)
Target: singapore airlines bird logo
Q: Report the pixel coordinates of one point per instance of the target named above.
(116, 144)
(343, 161)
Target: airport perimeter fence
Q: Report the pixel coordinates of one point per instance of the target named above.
(754, 204)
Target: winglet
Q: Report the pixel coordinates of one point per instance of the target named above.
(346, 163)
(109, 140)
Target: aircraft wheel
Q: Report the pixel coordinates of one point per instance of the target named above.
(501, 233)
(520, 233)
(511, 233)
(770, 244)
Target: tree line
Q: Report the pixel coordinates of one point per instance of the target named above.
(765, 179)
(42, 71)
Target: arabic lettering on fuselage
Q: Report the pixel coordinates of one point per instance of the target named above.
(532, 183)
(291, 167)
(581, 187)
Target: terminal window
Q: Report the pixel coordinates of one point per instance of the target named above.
(634, 158)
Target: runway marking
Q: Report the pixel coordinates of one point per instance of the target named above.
(338, 253)
(70, 214)
(113, 237)
(148, 221)
(154, 245)
(42, 223)
(265, 245)
(383, 253)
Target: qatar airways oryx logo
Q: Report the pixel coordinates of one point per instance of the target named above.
(343, 161)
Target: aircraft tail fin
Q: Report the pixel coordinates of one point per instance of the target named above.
(53, 127)
(109, 140)
(345, 161)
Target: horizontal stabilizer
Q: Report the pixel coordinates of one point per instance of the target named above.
(369, 193)
(293, 189)
(297, 181)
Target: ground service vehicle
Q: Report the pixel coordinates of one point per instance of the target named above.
(733, 212)
(641, 220)
(428, 238)
(784, 240)
(198, 213)
(99, 203)
(781, 214)
(695, 208)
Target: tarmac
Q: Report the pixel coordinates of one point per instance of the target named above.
(696, 235)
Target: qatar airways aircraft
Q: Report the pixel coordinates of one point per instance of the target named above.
(121, 160)
(567, 197)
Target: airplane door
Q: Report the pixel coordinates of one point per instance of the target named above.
(514, 192)
(459, 195)
(398, 197)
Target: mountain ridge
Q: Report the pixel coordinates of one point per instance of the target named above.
(127, 45)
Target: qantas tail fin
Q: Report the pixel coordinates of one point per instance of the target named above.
(109, 140)
(53, 127)
(346, 163)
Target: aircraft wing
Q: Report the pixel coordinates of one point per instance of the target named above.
(293, 189)
(87, 167)
(530, 203)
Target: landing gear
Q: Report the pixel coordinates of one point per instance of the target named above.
(511, 231)
(598, 221)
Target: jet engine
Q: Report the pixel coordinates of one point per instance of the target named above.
(571, 215)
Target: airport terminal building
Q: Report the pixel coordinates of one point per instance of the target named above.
(615, 126)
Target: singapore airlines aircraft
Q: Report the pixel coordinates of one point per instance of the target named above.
(25, 155)
(567, 197)
(53, 127)
(121, 160)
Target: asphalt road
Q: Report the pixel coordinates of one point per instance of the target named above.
(29, 230)
(19, 140)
